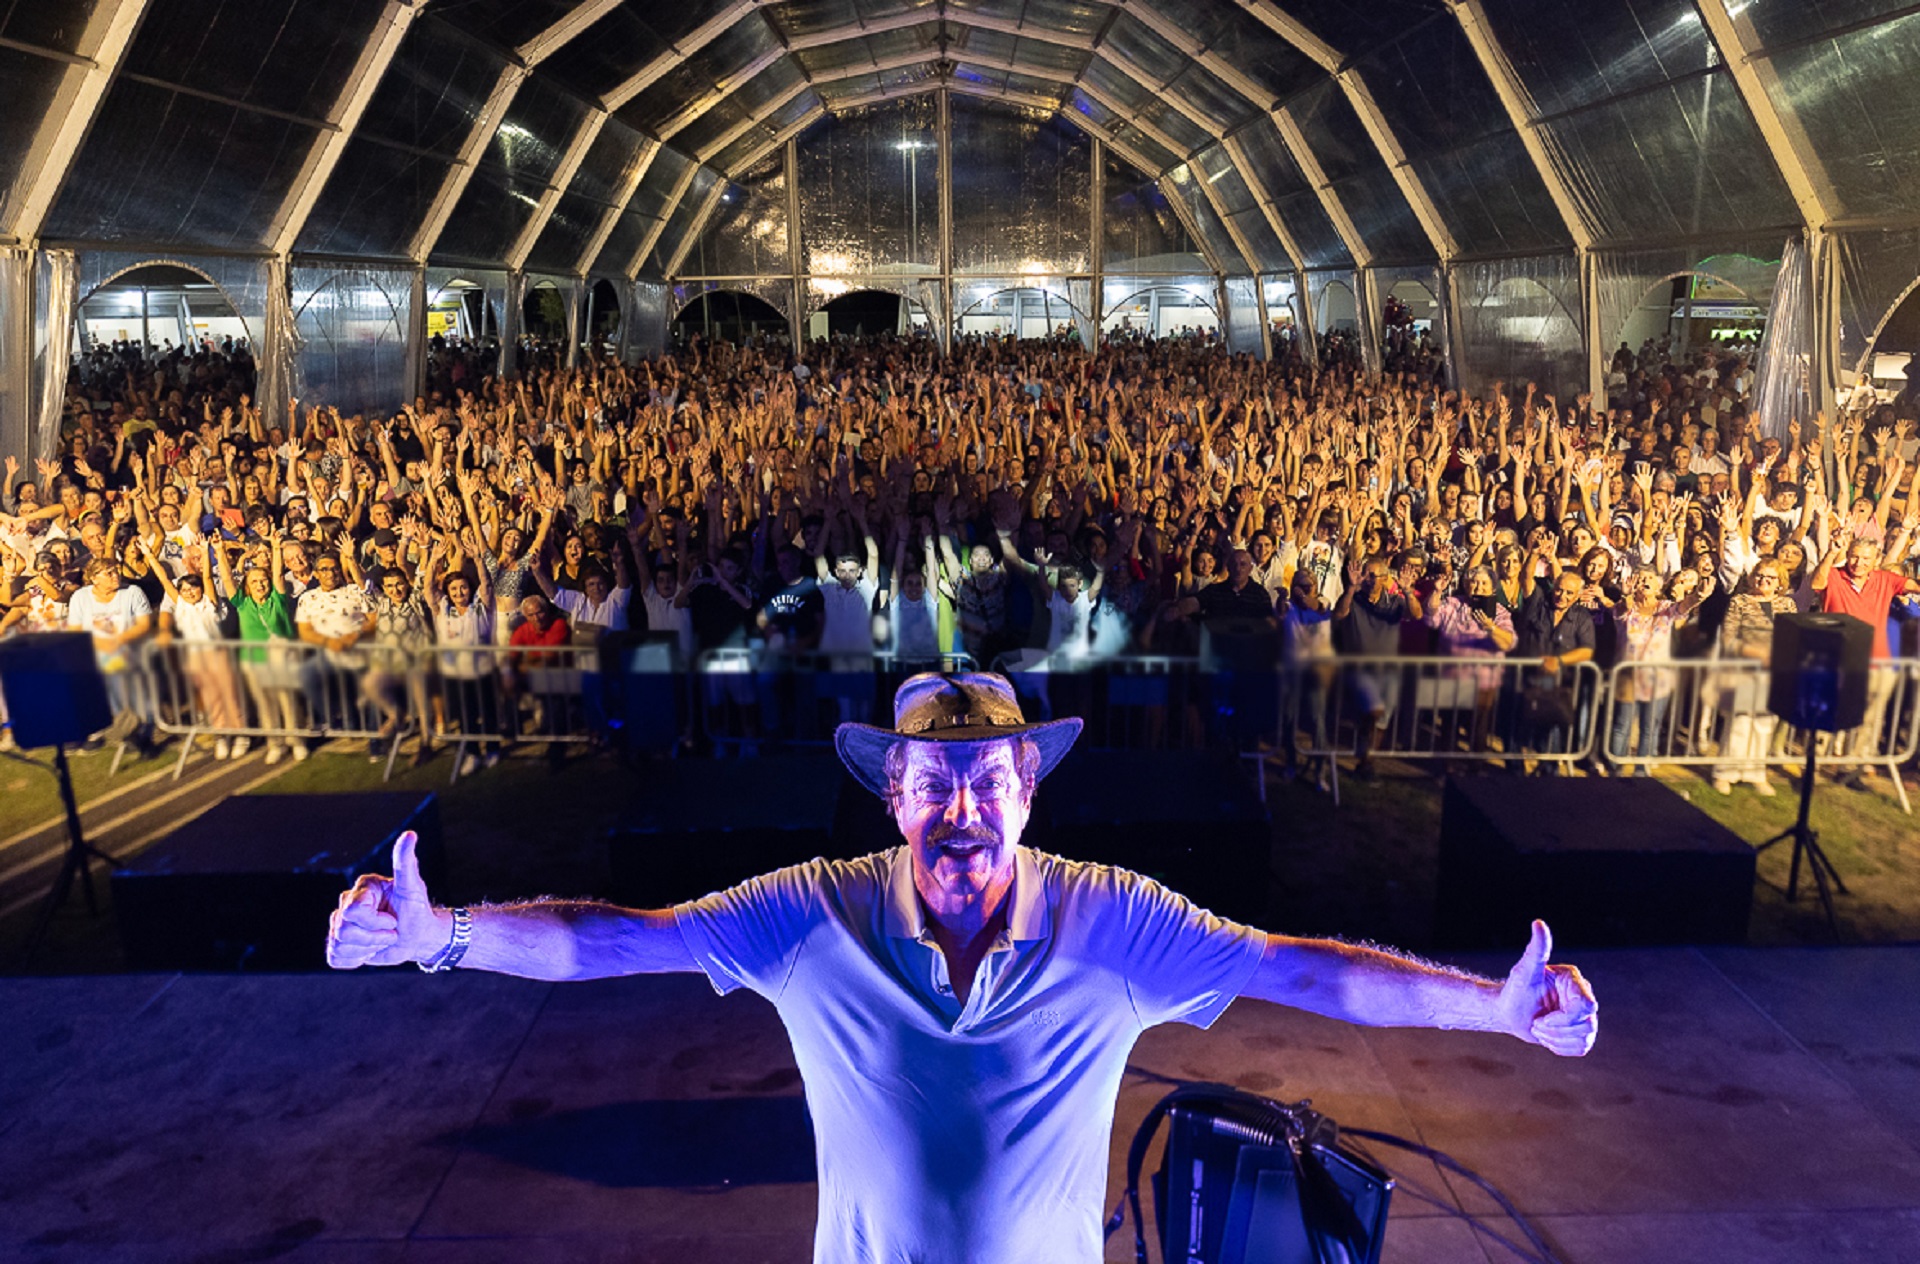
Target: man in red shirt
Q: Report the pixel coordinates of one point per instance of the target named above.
(1864, 590)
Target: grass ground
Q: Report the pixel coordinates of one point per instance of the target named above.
(31, 795)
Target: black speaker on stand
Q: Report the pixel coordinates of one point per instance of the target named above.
(56, 697)
(1817, 682)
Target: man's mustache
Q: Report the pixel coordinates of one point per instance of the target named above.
(965, 838)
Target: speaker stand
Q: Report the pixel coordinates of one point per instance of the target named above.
(1807, 843)
(78, 862)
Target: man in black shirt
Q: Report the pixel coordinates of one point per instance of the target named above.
(1555, 627)
(791, 611)
(1368, 617)
(1235, 597)
(718, 603)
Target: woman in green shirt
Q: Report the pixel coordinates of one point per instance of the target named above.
(269, 661)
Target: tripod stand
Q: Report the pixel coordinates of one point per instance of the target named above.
(78, 862)
(1807, 843)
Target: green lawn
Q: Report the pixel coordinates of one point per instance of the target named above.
(31, 795)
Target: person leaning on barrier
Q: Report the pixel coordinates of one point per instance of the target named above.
(1475, 626)
(1851, 580)
(1556, 628)
(118, 617)
(1371, 608)
(334, 616)
(268, 661)
(1648, 615)
(961, 1007)
(1747, 637)
(192, 610)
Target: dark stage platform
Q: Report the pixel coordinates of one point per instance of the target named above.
(1758, 1106)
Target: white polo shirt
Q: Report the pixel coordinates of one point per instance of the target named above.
(979, 1135)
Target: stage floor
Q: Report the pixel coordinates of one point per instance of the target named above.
(1747, 1105)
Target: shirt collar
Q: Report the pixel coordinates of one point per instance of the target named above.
(1029, 917)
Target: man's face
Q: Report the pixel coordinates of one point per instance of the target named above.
(848, 573)
(1863, 556)
(394, 585)
(1241, 566)
(961, 809)
(1566, 590)
(1069, 585)
(327, 571)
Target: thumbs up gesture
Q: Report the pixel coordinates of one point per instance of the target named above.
(1549, 1005)
(388, 921)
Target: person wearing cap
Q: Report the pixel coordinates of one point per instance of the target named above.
(961, 1007)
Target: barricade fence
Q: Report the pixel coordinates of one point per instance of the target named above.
(1714, 714)
(1707, 713)
(292, 695)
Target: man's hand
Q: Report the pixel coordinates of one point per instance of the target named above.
(388, 921)
(1550, 1006)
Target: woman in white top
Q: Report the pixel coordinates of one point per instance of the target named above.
(196, 613)
(464, 616)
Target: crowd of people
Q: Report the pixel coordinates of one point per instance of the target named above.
(1019, 502)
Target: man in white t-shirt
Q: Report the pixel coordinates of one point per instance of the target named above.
(961, 1007)
(1070, 613)
(846, 593)
(117, 617)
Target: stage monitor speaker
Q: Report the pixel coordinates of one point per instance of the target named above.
(1615, 862)
(700, 826)
(1189, 819)
(1817, 677)
(249, 884)
(53, 687)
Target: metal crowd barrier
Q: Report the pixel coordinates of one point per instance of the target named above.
(1459, 710)
(1713, 713)
(289, 693)
(1709, 713)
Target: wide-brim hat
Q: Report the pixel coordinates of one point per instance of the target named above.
(950, 707)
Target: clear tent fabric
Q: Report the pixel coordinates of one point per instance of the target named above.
(1520, 321)
(1355, 141)
(1785, 389)
(53, 321)
(351, 326)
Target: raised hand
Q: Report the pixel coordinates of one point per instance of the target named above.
(384, 921)
(1548, 1005)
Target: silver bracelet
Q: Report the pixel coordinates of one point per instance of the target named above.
(449, 957)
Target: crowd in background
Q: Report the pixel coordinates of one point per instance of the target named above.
(1019, 502)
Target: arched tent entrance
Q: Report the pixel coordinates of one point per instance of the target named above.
(867, 311)
(161, 304)
(1338, 311)
(1410, 305)
(1891, 367)
(543, 314)
(600, 318)
(1162, 311)
(461, 308)
(1024, 311)
(1689, 311)
(728, 315)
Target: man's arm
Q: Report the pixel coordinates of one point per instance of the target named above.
(385, 921)
(1547, 1005)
